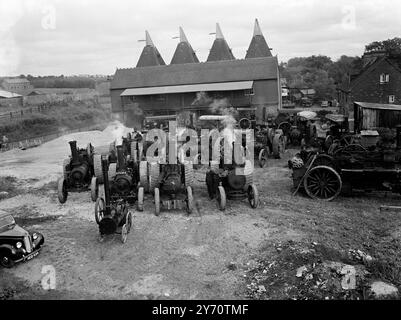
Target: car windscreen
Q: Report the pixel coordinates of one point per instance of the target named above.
(6, 222)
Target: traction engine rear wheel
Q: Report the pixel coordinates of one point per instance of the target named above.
(190, 200)
(124, 233)
(189, 174)
(140, 198)
(143, 175)
(134, 151)
(323, 183)
(97, 167)
(62, 190)
(99, 210)
(157, 201)
(112, 171)
(221, 198)
(262, 158)
(94, 189)
(66, 163)
(154, 173)
(253, 196)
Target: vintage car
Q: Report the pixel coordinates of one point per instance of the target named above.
(17, 244)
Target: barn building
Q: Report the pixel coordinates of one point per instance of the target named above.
(20, 86)
(187, 86)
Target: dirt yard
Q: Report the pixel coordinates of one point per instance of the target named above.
(239, 254)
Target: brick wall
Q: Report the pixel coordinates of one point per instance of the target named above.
(367, 87)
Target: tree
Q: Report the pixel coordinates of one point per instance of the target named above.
(391, 46)
(344, 67)
(319, 73)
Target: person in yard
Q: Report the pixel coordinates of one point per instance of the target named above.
(5, 142)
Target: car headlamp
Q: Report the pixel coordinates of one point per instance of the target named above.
(35, 236)
(19, 245)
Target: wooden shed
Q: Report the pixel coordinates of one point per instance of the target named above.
(370, 116)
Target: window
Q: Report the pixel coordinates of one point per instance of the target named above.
(249, 92)
(161, 98)
(391, 99)
(384, 78)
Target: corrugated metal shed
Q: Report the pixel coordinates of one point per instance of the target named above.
(197, 73)
(223, 86)
(369, 116)
(379, 106)
(7, 94)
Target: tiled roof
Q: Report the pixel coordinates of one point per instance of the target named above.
(150, 56)
(258, 47)
(220, 51)
(184, 54)
(16, 80)
(194, 73)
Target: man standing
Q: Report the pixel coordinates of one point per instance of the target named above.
(5, 142)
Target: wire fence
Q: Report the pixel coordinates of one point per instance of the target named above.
(14, 115)
(38, 140)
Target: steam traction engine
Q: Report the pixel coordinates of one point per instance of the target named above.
(269, 142)
(324, 176)
(78, 172)
(111, 212)
(123, 177)
(231, 181)
(171, 185)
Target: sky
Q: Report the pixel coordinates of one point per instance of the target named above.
(70, 37)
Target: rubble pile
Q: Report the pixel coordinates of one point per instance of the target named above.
(312, 271)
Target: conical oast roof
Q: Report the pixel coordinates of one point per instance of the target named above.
(150, 56)
(184, 52)
(258, 47)
(220, 49)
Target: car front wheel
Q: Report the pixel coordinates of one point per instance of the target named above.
(6, 261)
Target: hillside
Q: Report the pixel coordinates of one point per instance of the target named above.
(67, 115)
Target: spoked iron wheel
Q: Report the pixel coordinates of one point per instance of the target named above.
(328, 142)
(129, 221)
(157, 201)
(355, 147)
(190, 200)
(62, 190)
(94, 189)
(97, 167)
(124, 233)
(140, 198)
(99, 210)
(323, 183)
(323, 160)
(253, 196)
(221, 198)
(262, 158)
(350, 149)
(347, 140)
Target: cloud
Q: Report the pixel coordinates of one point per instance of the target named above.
(96, 36)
